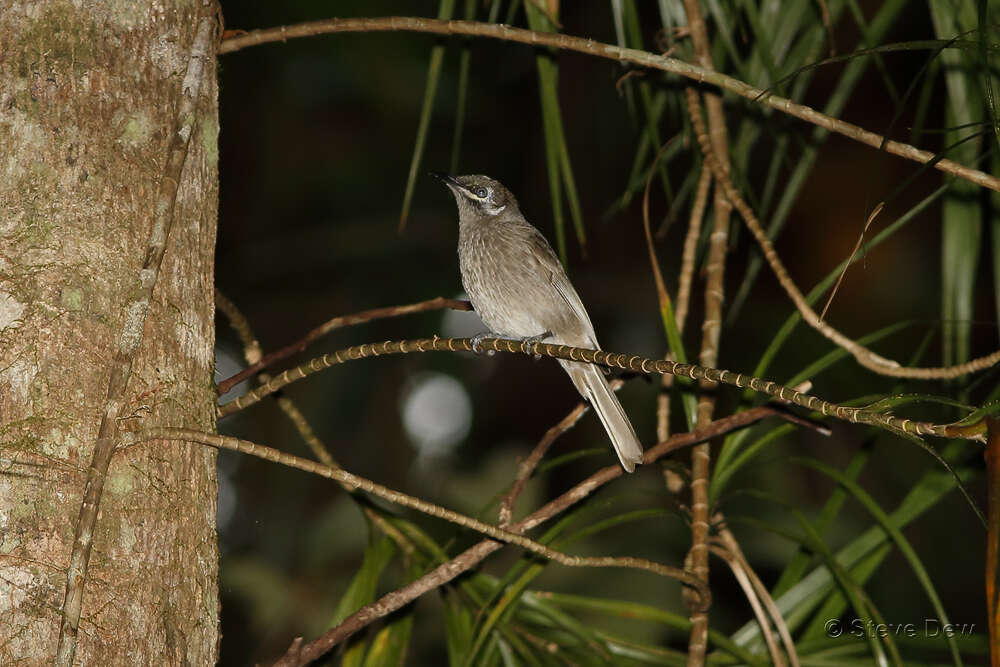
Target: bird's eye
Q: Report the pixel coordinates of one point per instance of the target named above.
(481, 193)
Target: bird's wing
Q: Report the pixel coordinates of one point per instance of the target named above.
(546, 257)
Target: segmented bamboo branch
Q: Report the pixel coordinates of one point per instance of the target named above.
(633, 363)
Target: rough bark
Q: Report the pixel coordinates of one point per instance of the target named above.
(88, 97)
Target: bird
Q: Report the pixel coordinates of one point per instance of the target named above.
(520, 290)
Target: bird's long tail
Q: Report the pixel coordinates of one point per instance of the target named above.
(590, 382)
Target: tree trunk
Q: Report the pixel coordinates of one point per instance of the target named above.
(88, 103)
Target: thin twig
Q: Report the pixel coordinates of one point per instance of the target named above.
(828, 26)
(354, 482)
(337, 323)
(729, 542)
(131, 337)
(863, 355)
(686, 276)
(633, 363)
(751, 595)
(252, 354)
(528, 465)
(475, 554)
(612, 52)
(850, 260)
(662, 295)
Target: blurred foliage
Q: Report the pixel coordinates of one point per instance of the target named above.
(324, 139)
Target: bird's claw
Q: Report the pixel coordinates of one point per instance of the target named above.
(537, 339)
(477, 343)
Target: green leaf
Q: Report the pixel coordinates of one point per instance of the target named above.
(642, 612)
(732, 442)
(983, 25)
(731, 458)
(389, 646)
(362, 588)
(836, 604)
(797, 566)
(927, 492)
(863, 608)
(464, 61)
(962, 222)
(901, 542)
(556, 150)
(430, 91)
(361, 591)
(458, 628)
(883, 21)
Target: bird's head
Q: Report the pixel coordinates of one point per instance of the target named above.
(478, 195)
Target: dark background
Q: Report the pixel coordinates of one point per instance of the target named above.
(317, 137)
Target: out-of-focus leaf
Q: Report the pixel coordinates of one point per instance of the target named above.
(886, 80)
(361, 591)
(547, 81)
(927, 492)
(733, 441)
(900, 541)
(983, 25)
(430, 92)
(884, 20)
(633, 39)
(961, 222)
(458, 628)
(556, 150)
(642, 612)
(731, 458)
(464, 59)
(863, 608)
(388, 648)
(797, 566)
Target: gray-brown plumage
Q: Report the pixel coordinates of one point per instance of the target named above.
(520, 290)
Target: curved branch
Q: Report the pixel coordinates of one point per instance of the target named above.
(602, 50)
(468, 559)
(472, 556)
(864, 356)
(633, 363)
(352, 482)
(270, 359)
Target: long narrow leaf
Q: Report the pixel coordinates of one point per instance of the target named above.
(883, 21)
(464, 60)
(927, 492)
(557, 152)
(901, 542)
(430, 92)
(634, 610)
(961, 222)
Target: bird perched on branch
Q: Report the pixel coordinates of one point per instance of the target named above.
(520, 290)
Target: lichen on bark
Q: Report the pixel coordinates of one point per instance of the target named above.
(87, 98)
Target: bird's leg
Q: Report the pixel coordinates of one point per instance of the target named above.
(537, 339)
(478, 339)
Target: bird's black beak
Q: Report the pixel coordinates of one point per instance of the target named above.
(446, 179)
